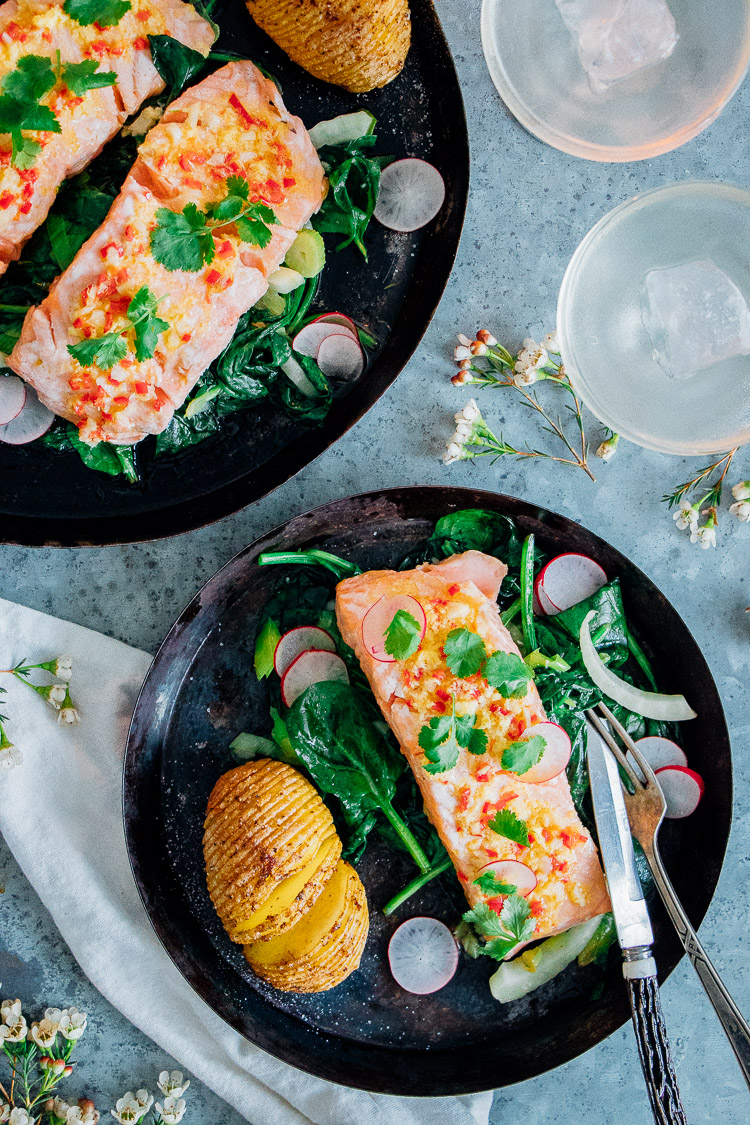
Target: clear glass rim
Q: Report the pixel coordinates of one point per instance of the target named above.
(588, 150)
(567, 289)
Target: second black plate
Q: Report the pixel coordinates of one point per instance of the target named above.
(201, 691)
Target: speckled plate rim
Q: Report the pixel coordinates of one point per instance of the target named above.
(399, 1071)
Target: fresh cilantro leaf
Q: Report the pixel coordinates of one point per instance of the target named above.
(506, 823)
(520, 757)
(476, 738)
(24, 151)
(505, 930)
(107, 13)
(508, 674)
(403, 635)
(104, 351)
(147, 325)
(438, 740)
(182, 240)
(31, 80)
(491, 885)
(227, 209)
(253, 226)
(465, 652)
(84, 76)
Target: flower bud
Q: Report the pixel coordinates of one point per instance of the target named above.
(478, 348)
(486, 337)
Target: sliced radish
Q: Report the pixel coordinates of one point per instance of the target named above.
(568, 579)
(411, 193)
(660, 752)
(378, 618)
(341, 319)
(512, 872)
(340, 356)
(297, 641)
(12, 398)
(682, 789)
(311, 667)
(308, 339)
(650, 704)
(297, 374)
(423, 955)
(31, 423)
(556, 753)
(542, 604)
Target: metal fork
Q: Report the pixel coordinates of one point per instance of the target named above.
(645, 807)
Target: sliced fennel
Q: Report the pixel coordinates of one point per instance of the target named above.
(247, 746)
(535, 967)
(650, 704)
(340, 130)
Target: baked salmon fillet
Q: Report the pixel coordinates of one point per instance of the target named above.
(229, 134)
(41, 29)
(462, 800)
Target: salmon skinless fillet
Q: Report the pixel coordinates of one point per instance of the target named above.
(42, 28)
(231, 125)
(460, 593)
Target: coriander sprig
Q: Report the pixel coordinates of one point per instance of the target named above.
(445, 735)
(107, 350)
(503, 931)
(184, 240)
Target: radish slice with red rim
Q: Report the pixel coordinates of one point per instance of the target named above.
(423, 955)
(12, 398)
(31, 423)
(682, 789)
(513, 873)
(340, 356)
(341, 319)
(542, 605)
(300, 640)
(308, 339)
(556, 752)
(569, 579)
(378, 618)
(659, 752)
(410, 195)
(311, 667)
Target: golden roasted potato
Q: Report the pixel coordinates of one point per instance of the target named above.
(324, 946)
(269, 843)
(358, 44)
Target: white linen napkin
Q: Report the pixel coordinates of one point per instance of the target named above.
(75, 775)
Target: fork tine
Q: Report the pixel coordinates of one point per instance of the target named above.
(629, 745)
(614, 746)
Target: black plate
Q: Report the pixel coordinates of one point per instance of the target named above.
(420, 113)
(201, 691)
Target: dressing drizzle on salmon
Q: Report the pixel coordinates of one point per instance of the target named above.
(461, 801)
(88, 121)
(233, 124)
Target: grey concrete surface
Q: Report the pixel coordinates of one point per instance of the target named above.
(529, 207)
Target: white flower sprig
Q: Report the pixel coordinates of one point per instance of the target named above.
(483, 362)
(56, 694)
(39, 1057)
(741, 507)
(689, 511)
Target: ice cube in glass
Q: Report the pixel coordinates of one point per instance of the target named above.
(616, 38)
(695, 315)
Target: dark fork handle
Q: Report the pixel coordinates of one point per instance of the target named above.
(655, 1052)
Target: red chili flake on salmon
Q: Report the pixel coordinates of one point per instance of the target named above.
(454, 589)
(439, 706)
(464, 795)
(237, 105)
(29, 175)
(16, 33)
(536, 908)
(186, 336)
(191, 182)
(143, 14)
(121, 400)
(47, 35)
(140, 387)
(5, 155)
(497, 903)
(516, 728)
(288, 182)
(483, 775)
(25, 207)
(464, 878)
(6, 199)
(441, 693)
(126, 362)
(571, 838)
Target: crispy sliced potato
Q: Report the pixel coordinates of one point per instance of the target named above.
(326, 943)
(358, 44)
(264, 825)
(293, 897)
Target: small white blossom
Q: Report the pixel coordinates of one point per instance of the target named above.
(453, 452)
(59, 1107)
(144, 1099)
(469, 414)
(532, 355)
(85, 1113)
(486, 337)
(705, 536)
(608, 447)
(686, 516)
(172, 1110)
(68, 716)
(478, 347)
(13, 1027)
(172, 1084)
(741, 509)
(19, 1116)
(72, 1023)
(10, 1010)
(741, 491)
(461, 351)
(524, 376)
(63, 668)
(130, 1108)
(54, 1015)
(463, 340)
(44, 1033)
(4, 1112)
(550, 343)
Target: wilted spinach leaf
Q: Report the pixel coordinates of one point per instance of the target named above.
(176, 63)
(353, 179)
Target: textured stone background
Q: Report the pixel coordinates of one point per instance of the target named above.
(529, 207)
